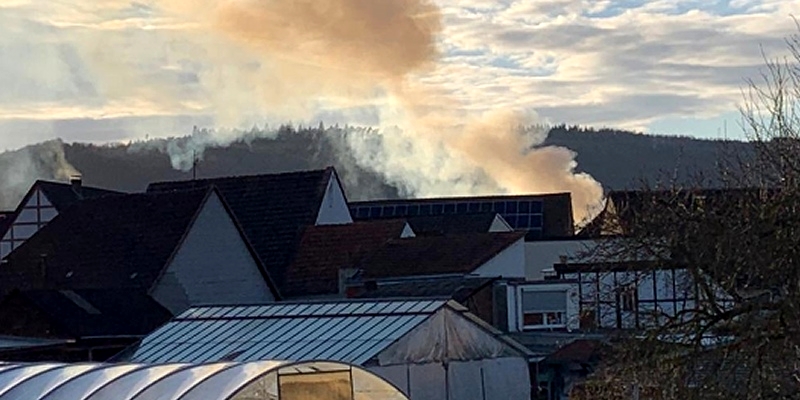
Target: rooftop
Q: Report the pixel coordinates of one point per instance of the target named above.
(430, 255)
(347, 331)
(105, 242)
(272, 209)
(325, 249)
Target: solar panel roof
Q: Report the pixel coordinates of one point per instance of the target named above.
(345, 331)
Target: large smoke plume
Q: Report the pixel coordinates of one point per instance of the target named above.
(243, 62)
(302, 54)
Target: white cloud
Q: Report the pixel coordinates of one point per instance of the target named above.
(619, 63)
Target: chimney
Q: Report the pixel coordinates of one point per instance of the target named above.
(77, 182)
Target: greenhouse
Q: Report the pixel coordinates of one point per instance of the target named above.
(257, 380)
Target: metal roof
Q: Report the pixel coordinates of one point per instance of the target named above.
(344, 331)
(213, 381)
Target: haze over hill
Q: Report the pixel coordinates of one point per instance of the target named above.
(617, 159)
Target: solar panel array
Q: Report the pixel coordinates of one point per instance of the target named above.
(346, 331)
(521, 213)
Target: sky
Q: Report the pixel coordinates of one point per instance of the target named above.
(115, 70)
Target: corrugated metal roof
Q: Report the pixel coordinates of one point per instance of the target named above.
(345, 331)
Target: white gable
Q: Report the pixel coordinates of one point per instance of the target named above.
(499, 224)
(445, 336)
(509, 263)
(212, 265)
(334, 210)
(407, 232)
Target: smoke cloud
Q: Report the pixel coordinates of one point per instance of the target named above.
(20, 168)
(246, 62)
(360, 51)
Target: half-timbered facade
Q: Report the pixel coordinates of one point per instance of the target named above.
(622, 297)
(40, 205)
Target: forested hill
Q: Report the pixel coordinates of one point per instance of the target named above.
(615, 158)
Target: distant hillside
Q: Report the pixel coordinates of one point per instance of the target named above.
(620, 159)
(615, 158)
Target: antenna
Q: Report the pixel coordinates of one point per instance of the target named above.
(194, 165)
(725, 130)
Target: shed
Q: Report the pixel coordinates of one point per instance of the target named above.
(429, 348)
(261, 380)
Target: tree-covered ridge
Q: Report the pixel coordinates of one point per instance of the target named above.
(618, 159)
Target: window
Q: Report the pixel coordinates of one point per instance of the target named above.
(544, 309)
(628, 298)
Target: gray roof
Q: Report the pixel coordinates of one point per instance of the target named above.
(346, 331)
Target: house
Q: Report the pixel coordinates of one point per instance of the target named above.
(43, 201)
(429, 349)
(629, 295)
(181, 248)
(500, 254)
(274, 209)
(326, 253)
(77, 325)
(267, 379)
(541, 216)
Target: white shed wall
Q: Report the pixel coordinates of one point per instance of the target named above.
(489, 379)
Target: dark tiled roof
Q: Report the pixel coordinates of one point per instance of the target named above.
(61, 195)
(271, 209)
(458, 288)
(325, 249)
(98, 312)
(64, 195)
(452, 223)
(107, 242)
(430, 255)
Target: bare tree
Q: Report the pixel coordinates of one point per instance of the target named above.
(737, 333)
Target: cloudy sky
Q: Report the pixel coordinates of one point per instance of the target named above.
(112, 70)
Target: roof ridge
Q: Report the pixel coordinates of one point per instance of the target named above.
(246, 176)
(461, 198)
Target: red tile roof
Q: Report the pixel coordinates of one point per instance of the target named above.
(323, 250)
(581, 351)
(432, 255)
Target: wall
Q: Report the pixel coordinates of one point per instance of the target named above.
(488, 379)
(541, 255)
(509, 263)
(21, 319)
(334, 208)
(606, 293)
(37, 212)
(213, 265)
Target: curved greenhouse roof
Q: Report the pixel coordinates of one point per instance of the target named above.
(257, 380)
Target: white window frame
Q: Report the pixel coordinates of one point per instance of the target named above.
(545, 325)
